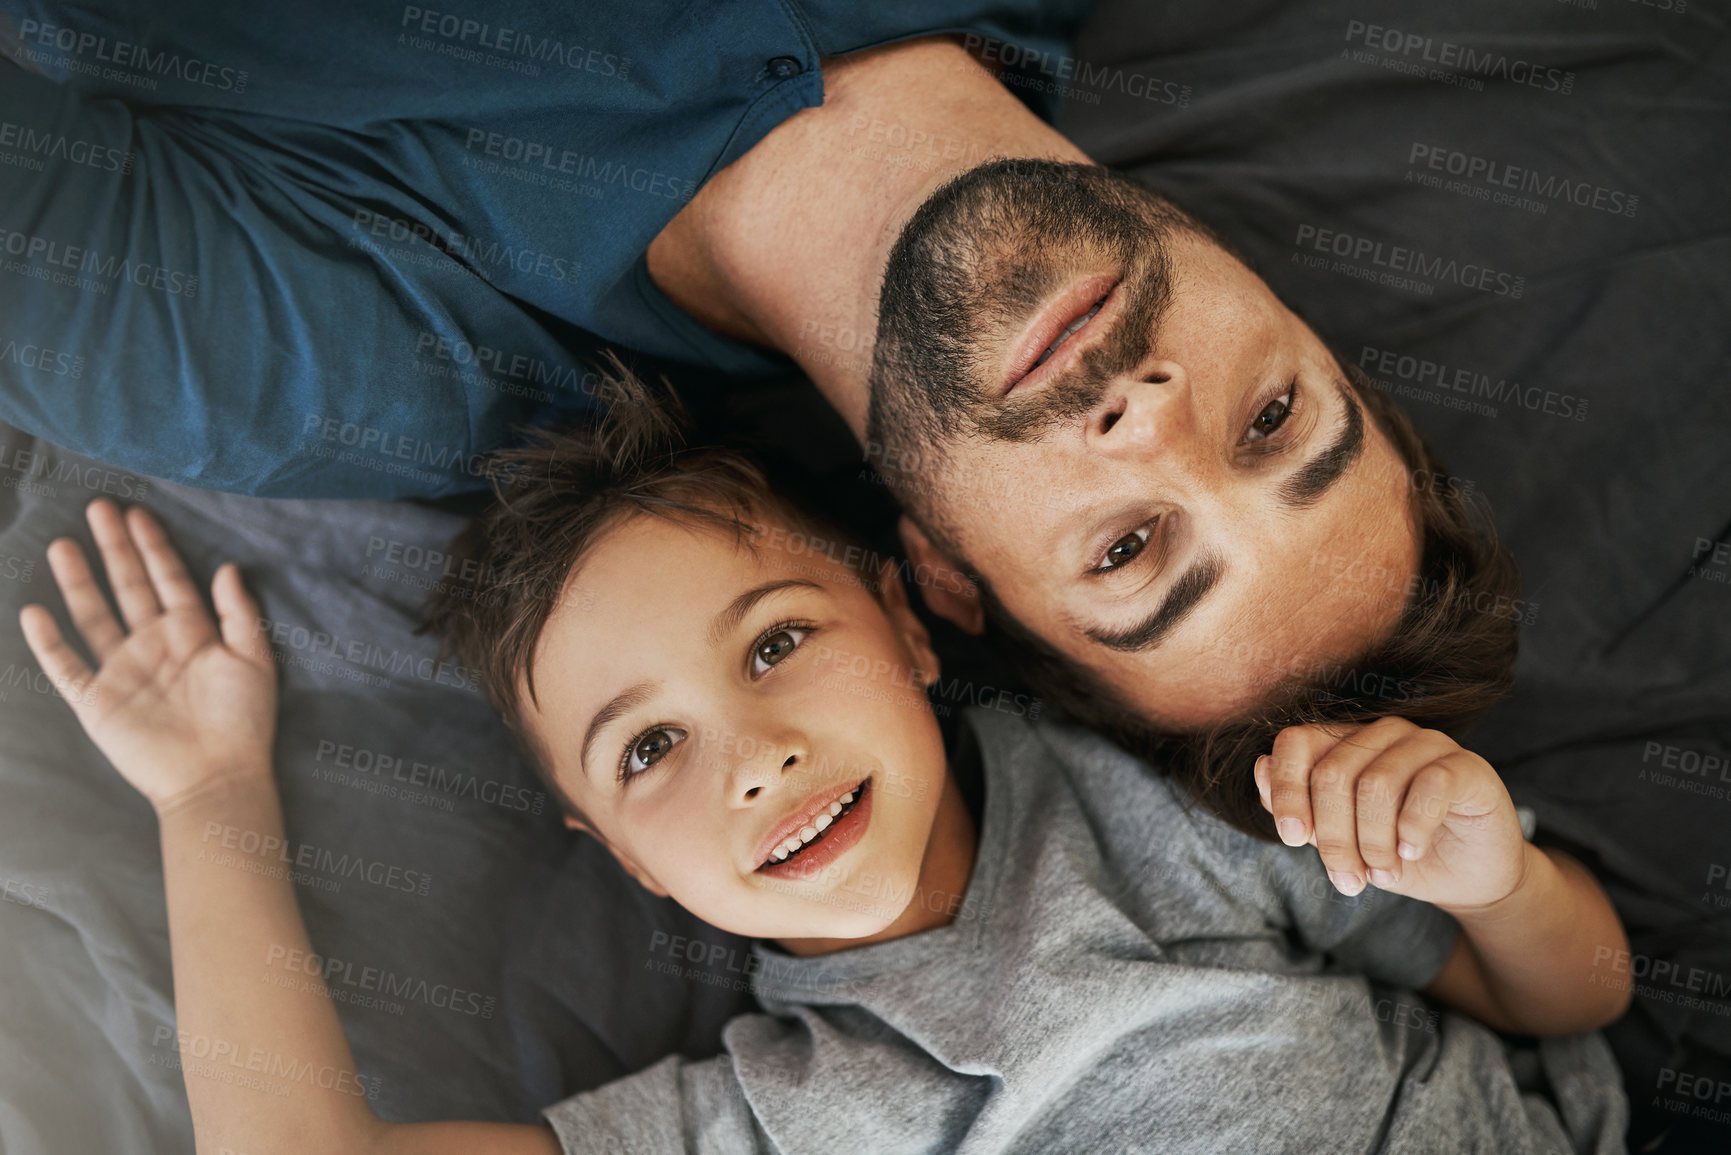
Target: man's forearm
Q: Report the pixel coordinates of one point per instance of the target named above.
(266, 1065)
(1535, 950)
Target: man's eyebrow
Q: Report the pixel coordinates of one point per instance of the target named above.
(1305, 487)
(626, 699)
(728, 619)
(1186, 593)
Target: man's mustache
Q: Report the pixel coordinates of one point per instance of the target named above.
(1147, 289)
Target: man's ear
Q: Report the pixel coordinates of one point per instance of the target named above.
(949, 593)
(915, 637)
(643, 877)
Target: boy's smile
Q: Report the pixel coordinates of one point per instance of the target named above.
(743, 726)
(815, 835)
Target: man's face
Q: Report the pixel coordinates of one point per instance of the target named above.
(1176, 488)
(703, 702)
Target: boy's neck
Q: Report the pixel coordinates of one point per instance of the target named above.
(786, 246)
(944, 873)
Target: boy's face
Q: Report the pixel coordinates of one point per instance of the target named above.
(703, 702)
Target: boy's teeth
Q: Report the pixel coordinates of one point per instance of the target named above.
(810, 831)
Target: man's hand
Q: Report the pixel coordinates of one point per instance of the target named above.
(1402, 807)
(175, 703)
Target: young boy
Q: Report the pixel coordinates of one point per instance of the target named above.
(1074, 962)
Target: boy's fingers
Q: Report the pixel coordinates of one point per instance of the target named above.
(237, 612)
(1334, 803)
(1295, 751)
(84, 601)
(167, 572)
(126, 573)
(1381, 794)
(69, 672)
(1429, 797)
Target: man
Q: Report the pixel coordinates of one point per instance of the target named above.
(1080, 395)
(1084, 398)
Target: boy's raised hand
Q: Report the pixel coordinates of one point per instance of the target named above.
(1401, 807)
(176, 703)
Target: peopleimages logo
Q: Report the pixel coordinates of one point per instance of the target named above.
(1404, 266)
(1499, 181)
(58, 146)
(1460, 59)
(461, 30)
(58, 362)
(1392, 367)
(498, 256)
(383, 443)
(47, 253)
(536, 155)
(387, 983)
(86, 52)
(1056, 72)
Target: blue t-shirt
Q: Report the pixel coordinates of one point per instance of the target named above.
(339, 249)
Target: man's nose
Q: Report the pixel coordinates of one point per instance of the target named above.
(1144, 414)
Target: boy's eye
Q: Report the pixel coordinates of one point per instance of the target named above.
(650, 748)
(774, 646)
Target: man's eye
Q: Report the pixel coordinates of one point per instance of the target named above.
(774, 646)
(1126, 549)
(1272, 417)
(649, 748)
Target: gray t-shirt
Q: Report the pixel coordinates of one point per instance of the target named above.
(1123, 974)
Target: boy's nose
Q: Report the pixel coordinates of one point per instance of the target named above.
(752, 776)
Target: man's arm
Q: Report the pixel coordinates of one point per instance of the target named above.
(1525, 964)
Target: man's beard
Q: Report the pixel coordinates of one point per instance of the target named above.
(969, 271)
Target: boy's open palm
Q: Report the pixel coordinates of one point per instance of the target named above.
(1401, 807)
(178, 701)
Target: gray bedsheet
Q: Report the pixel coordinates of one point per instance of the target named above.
(487, 961)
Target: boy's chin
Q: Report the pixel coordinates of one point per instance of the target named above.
(839, 913)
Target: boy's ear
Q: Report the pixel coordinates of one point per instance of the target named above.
(949, 593)
(643, 877)
(915, 637)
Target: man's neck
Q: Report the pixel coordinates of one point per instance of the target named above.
(945, 871)
(786, 247)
